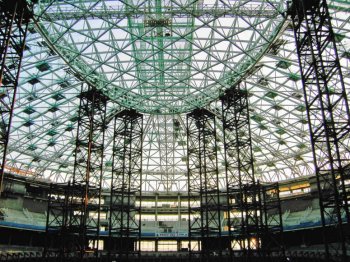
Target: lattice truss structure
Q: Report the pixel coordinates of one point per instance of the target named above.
(163, 59)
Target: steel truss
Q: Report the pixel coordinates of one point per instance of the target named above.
(328, 116)
(81, 214)
(247, 209)
(124, 212)
(14, 18)
(205, 202)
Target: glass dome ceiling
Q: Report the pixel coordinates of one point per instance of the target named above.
(164, 58)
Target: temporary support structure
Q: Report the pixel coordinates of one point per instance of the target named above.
(14, 19)
(328, 115)
(252, 210)
(243, 193)
(76, 212)
(203, 184)
(124, 212)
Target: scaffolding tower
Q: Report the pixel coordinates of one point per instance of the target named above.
(243, 192)
(328, 116)
(63, 217)
(252, 210)
(85, 195)
(124, 212)
(14, 19)
(205, 202)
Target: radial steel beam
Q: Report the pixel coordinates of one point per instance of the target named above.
(328, 116)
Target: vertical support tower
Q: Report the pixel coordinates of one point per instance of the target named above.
(85, 206)
(243, 193)
(124, 210)
(14, 19)
(328, 115)
(205, 216)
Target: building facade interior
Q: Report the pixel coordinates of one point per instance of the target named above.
(174, 130)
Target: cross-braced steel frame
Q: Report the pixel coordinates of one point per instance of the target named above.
(63, 199)
(14, 18)
(85, 205)
(124, 212)
(328, 115)
(57, 218)
(203, 184)
(243, 193)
